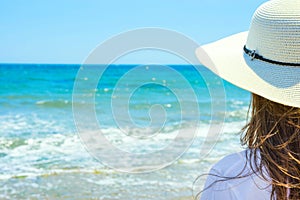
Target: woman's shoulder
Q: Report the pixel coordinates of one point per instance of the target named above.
(233, 178)
(232, 165)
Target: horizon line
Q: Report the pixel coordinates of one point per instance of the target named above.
(27, 63)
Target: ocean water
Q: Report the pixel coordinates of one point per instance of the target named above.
(139, 109)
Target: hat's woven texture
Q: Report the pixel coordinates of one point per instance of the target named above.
(275, 31)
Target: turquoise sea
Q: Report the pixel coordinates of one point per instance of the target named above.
(43, 157)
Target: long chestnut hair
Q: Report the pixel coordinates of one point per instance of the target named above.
(273, 135)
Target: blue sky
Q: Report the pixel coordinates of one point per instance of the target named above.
(66, 31)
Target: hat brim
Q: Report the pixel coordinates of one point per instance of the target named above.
(227, 59)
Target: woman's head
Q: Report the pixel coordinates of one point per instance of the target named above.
(265, 60)
(273, 131)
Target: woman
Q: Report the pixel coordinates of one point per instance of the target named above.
(265, 61)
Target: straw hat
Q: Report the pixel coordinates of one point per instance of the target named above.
(264, 60)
